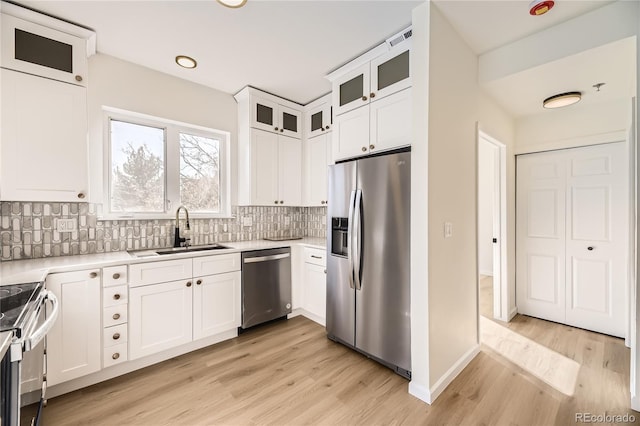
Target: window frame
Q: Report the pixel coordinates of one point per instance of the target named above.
(172, 130)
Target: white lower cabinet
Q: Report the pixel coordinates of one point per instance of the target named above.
(314, 285)
(216, 304)
(73, 344)
(160, 317)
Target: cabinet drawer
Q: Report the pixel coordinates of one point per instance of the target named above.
(115, 354)
(114, 275)
(315, 256)
(114, 315)
(159, 272)
(220, 264)
(114, 335)
(112, 296)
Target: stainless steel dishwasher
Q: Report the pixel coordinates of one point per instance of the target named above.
(266, 285)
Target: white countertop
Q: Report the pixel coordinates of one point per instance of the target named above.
(22, 271)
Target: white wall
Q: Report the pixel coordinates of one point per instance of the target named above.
(120, 84)
(573, 126)
(453, 103)
(486, 186)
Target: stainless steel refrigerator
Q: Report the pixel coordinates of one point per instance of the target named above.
(368, 287)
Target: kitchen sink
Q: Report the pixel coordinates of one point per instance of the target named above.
(175, 250)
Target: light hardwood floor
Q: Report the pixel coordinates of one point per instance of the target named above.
(289, 373)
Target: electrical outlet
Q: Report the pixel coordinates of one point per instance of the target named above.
(448, 229)
(247, 221)
(66, 225)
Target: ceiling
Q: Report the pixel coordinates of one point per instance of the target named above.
(287, 47)
(283, 47)
(614, 64)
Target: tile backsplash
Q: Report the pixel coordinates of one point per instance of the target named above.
(29, 229)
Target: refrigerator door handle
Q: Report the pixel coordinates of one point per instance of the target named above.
(357, 225)
(350, 229)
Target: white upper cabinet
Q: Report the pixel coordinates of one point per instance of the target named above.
(384, 75)
(318, 117)
(44, 125)
(317, 159)
(274, 117)
(37, 44)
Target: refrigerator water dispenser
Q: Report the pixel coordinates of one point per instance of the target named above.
(339, 236)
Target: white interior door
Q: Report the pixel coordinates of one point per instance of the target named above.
(572, 232)
(540, 230)
(597, 208)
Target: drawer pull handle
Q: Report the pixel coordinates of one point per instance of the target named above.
(116, 336)
(116, 276)
(115, 356)
(116, 316)
(199, 282)
(93, 275)
(316, 257)
(116, 296)
(188, 283)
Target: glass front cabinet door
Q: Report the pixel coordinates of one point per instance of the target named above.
(352, 90)
(319, 120)
(273, 117)
(390, 73)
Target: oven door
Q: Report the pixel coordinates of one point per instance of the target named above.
(24, 367)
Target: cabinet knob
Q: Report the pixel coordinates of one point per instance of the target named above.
(116, 336)
(188, 283)
(276, 129)
(590, 248)
(281, 202)
(115, 356)
(93, 275)
(364, 98)
(372, 147)
(78, 78)
(364, 149)
(281, 130)
(116, 296)
(322, 128)
(116, 316)
(372, 95)
(321, 202)
(116, 276)
(325, 271)
(81, 195)
(327, 127)
(275, 202)
(199, 282)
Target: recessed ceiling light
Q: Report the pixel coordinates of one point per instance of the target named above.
(540, 7)
(186, 61)
(562, 100)
(232, 3)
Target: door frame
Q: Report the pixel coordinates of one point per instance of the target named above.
(500, 284)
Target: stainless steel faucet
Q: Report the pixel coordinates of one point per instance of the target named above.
(177, 240)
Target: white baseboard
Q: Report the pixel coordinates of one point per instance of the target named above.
(419, 391)
(512, 313)
(452, 373)
(635, 403)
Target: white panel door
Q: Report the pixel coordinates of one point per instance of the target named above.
(160, 317)
(597, 211)
(290, 171)
(73, 344)
(391, 122)
(264, 168)
(351, 134)
(540, 228)
(216, 304)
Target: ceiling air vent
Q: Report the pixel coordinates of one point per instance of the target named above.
(400, 37)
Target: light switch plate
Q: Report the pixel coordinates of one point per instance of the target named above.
(448, 229)
(66, 225)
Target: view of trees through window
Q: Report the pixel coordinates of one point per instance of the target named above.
(137, 162)
(199, 173)
(138, 169)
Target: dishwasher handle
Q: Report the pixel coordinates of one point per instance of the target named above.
(266, 258)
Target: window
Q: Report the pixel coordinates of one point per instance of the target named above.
(153, 166)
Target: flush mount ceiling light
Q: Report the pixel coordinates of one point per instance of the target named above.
(562, 100)
(186, 61)
(232, 3)
(540, 7)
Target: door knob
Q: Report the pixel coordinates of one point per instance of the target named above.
(116, 316)
(116, 336)
(327, 127)
(590, 248)
(276, 129)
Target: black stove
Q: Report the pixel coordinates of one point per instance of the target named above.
(16, 301)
